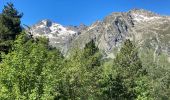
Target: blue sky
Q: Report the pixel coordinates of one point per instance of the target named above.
(75, 12)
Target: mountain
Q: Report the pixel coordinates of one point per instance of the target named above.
(58, 35)
(147, 29)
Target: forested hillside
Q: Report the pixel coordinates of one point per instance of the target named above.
(31, 69)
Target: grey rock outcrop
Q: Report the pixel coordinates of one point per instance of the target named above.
(147, 29)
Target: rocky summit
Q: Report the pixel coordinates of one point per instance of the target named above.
(145, 28)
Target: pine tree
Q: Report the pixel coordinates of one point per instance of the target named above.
(128, 61)
(129, 66)
(91, 63)
(10, 20)
(90, 49)
(91, 55)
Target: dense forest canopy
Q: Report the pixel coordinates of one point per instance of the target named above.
(31, 69)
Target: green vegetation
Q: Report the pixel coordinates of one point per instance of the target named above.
(9, 26)
(30, 69)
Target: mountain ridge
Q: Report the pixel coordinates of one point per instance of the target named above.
(144, 27)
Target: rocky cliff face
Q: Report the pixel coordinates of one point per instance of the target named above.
(147, 29)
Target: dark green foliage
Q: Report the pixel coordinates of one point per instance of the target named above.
(81, 74)
(129, 66)
(10, 20)
(114, 88)
(90, 49)
(127, 60)
(121, 83)
(91, 56)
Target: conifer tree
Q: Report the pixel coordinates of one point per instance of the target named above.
(128, 61)
(10, 20)
(127, 68)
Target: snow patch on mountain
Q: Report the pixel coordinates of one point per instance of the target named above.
(51, 30)
(58, 35)
(143, 18)
(57, 28)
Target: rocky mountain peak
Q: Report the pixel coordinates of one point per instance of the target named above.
(78, 29)
(45, 22)
(144, 27)
(58, 35)
(142, 12)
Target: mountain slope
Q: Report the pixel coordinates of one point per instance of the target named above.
(147, 29)
(144, 27)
